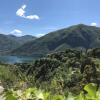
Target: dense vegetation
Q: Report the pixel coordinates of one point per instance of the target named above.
(34, 94)
(58, 73)
(77, 36)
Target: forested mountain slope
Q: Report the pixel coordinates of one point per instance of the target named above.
(77, 36)
(10, 42)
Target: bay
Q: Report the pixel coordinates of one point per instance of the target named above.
(16, 59)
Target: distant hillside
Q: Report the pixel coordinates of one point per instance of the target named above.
(77, 36)
(10, 42)
(22, 39)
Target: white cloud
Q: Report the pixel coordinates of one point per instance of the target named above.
(24, 6)
(40, 35)
(93, 24)
(21, 12)
(17, 32)
(33, 17)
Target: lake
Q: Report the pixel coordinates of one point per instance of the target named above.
(16, 59)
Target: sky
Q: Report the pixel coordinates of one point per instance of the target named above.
(39, 17)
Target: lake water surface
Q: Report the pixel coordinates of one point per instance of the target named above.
(16, 59)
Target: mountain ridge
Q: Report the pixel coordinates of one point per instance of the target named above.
(10, 42)
(77, 36)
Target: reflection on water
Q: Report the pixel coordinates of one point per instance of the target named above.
(15, 59)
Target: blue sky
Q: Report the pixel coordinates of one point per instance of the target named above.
(38, 17)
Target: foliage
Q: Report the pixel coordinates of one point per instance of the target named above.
(57, 72)
(7, 75)
(34, 94)
(61, 73)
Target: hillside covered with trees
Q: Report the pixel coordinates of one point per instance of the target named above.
(77, 36)
(58, 73)
(11, 42)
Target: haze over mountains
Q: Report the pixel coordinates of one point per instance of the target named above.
(77, 36)
(11, 42)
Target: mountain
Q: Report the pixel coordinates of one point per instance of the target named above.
(7, 44)
(22, 39)
(10, 42)
(77, 36)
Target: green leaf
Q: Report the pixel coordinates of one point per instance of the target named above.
(9, 96)
(80, 97)
(91, 89)
(70, 97)
(46, 95)
(59, 97)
